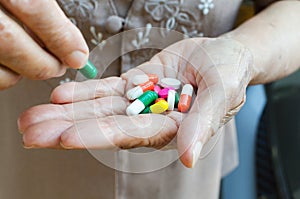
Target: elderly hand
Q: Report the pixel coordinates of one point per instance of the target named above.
(91, 114)
(37, 41)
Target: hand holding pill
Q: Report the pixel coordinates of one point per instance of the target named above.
(96, 113)
(38, 41)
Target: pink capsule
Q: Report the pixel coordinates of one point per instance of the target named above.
(157, 89)
(163, 93)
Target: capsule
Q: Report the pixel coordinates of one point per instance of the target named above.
(153, 78)
(139, 90)
(159, 107)
(157, 89)
(171, 100)
(158, 99)
(176, 99)
(163, 93)
(89, 70)
(146, 110)
(185, 98)
(140, 79)
(141, 103)
(170, 82)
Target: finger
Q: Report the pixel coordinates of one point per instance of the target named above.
(20, 53)
(84, 110)
(45, 134)
(123, 132)
(200, 124)
(8, 78)
(91, 89)
(33, 36)
(49, 23)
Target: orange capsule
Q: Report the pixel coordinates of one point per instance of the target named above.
(153, 78)
(139, 90)
(140, 79)
(185, 98)
(147, 86)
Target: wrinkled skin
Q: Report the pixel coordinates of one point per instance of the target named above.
(91, 114)
(32, 34)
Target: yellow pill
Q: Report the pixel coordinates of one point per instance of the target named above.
(159, 107)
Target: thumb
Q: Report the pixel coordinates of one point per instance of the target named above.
(200, 124)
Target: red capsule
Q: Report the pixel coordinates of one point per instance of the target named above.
(147, 86)
(185, 98)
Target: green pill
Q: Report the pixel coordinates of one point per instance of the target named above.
(89, 70)
(141, 103)
(146, 110)
(148, 97)
(176, 99)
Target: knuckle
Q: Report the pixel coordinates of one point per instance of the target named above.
(62, 36)
(6, 33)
(42, 73)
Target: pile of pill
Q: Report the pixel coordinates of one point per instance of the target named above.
(153, 96)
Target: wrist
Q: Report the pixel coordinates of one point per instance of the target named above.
(248, 59)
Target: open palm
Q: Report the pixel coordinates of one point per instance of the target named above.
(92, 114)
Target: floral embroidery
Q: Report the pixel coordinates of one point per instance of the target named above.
(142, 37)
(160, 9)
(206, 6)
(183, 18)
(97, 38)
(183, 21)
(80, 9)
(192, 33)
(172, 17)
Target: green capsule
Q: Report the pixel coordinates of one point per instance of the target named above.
(89, 70)
(146, 110)
(148, 97)
(176, 99)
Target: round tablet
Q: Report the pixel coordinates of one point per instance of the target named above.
(170, 82)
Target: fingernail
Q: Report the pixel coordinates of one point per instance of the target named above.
(28, 147)
(64, 146)
(76, 59)
(18, 123)
(196, 153)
